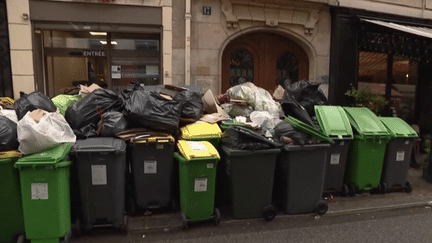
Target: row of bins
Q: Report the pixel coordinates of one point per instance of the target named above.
(373, 157)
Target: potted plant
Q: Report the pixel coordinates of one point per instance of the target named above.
(364, 97)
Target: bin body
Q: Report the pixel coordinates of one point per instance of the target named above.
(300, 177)
(101, 170)
(366, 155)
(152, 171)
(197, 173)
(10, 197)
(335, 124)
(365, 163)
(251, 178)
(398, 152)
(46, 194)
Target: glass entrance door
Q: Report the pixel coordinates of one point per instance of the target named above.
(110, 60)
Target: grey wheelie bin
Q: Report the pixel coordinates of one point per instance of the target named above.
(251, 177)
(335, 124)
(398, 155)
(152, 159)
(101, 169)
(366, 153)
(300, 173)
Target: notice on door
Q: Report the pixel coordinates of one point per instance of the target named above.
(150, 167)
(39, 191)
(400, 155)
(334, 159)
(200, 185)
(99, 174)
(116, 72)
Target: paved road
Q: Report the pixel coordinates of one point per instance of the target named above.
(406, 225)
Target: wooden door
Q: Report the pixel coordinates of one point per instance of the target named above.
(264, 59)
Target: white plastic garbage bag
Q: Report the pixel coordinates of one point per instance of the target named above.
(51, 130)
(264, 120)
(11, 114)
(259, 98)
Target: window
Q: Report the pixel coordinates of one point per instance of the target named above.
(287, 67)
(241, 67)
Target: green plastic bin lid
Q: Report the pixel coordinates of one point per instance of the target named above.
(366, 123)
(398, 127)
(49, 156)
(308, 129)
(334, 121)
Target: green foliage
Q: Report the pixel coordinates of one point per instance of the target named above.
(364, 97)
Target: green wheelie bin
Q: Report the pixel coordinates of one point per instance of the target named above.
(45, 194)
(12, 225)
(398, 155)
(335, 124)
(366, 154)
(197, 172)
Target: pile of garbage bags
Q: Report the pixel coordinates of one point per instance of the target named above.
(251, 117)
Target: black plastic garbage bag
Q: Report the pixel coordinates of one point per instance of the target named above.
(85, 111)
(284, 129)
(113, 122)
(307, 94)
(33, 101)
(8, 134)
(192, 104)
(149, 109)
(292, 108)
(131, 88)
(245, 139)
(90, 130)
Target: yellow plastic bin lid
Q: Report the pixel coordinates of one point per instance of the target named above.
(10, 154)
(201, 130)
(193, 150)
(153, 138)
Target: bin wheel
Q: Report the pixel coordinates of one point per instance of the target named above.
(124, 227)
(384, 188)
(269, 213)
(67, 237)
(345, 190)
(21, 239)
(377, 190)
(184, 221)
(321, 207)
(408, 187)
(352, 190)
(217, 217)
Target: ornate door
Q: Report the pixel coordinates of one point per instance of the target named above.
(264, 59)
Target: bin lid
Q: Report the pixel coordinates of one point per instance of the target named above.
(152, 137)
(200, 130)
(49, 156)
(334, 121)
(398, 127)
(5, 156)
(194, 150)
(308, 129)
(100, 144)
(366, 123)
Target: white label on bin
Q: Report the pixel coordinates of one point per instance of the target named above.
(99, 175)
(197, 146)
(159, 146)
(150, 167)
(200, 185)
(407, 142)
(341, 143)
(210, 166)
(400, 155)
(39, 191)
(334, 159)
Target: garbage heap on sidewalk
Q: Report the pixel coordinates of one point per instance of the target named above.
(75, 162)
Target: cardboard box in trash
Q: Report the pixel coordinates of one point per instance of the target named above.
(37, 115)
(215, 112)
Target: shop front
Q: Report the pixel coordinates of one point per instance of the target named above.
(84, 43)
(388, 54)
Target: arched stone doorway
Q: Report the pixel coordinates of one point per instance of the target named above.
(263, 58)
